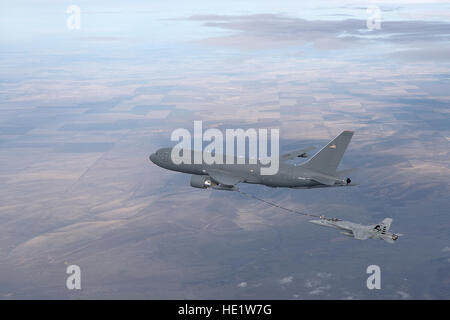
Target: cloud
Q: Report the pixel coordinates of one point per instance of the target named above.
(403, 295)
(429, 54)
(268, 31)
(446, 249)
(317, 283)
(286, 280)
(100, 38)
(324, 275)
(312, 283)
(320, 290)
(242, 285)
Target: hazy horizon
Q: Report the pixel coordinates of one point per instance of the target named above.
(82, 109)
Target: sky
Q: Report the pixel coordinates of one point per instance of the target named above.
(82, 109)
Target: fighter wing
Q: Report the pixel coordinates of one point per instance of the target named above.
(223, 177)
(386, 224)
(301, 153)
(361, 233)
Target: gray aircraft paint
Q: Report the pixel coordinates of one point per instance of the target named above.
(361, 232)
(317, 172)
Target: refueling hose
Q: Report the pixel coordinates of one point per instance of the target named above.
(278, 206)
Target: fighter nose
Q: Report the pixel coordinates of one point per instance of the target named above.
(152, 158)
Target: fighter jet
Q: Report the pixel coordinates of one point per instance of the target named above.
(319, 171)
(379, 231)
